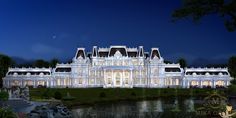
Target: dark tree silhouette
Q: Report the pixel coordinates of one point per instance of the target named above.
(5, 63)
(41, 63)
(232, 66)
(196, 9)
(167, 62)
(182, 62)
(53, 63)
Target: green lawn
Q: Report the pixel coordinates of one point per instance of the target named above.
(85, 96)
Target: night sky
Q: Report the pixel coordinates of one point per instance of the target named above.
(46, 29)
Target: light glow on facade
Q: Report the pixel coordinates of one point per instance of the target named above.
(117, 67)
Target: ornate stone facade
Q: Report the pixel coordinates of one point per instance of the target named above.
(117, 67)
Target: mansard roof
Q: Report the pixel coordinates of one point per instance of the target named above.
(132, 54)
(123, 50)
(103, 53)
(206, 71)
(114, 49)
(63, 69)
(172, 69)
(29, 71)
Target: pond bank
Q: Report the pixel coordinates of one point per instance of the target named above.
(91, 96)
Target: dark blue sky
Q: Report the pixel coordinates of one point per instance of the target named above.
(46, 29)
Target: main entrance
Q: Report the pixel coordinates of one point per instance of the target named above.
(117, 78)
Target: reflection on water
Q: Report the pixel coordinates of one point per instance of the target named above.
(189, 105)
(160, 108)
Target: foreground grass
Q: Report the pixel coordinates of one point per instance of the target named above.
(89, 96)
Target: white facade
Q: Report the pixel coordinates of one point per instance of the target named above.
(117, 67)
(206, 77)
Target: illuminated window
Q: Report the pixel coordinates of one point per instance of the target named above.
(118, 79)
(194, 83)
(126, 81)
(80, 80)
(109, 81)
(177, 81)
(220, 83)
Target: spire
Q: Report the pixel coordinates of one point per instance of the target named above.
(95, 52)
(141, 53)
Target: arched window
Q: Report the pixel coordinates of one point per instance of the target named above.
(118, 78)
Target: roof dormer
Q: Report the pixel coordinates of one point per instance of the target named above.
(80, 53)
(155, 53)
(121, 49)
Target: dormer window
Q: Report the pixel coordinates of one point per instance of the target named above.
(15, 73)
(28, 74)
(220, 73)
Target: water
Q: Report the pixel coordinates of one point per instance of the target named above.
(160, 108)
(9, 94)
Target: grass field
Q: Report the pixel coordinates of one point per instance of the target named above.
(89, 96)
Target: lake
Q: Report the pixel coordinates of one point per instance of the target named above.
(160, 108)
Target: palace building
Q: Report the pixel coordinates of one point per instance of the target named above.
(117, 67)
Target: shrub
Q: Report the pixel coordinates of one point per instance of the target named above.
(4, 95)
(57, 95)
(233, 81)
(133, 94)
(6, 112)
(45, 94)
(68, 97)
(102, 95)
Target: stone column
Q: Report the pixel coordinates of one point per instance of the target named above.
(131, 78)
(188, 84)
(104, 77)
(112, 78)
(140, 82)
(21, 83)
(122, 78)
(213, 83)
(34, 84)
(95, 77)
(47, 84)
(9, 83)
(199, 83)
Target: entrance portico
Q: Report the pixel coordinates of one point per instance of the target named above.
(118, 77)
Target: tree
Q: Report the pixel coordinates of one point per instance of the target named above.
(4, 96)
(53, 63)
(232, 66)
(5, 63)
(182, 62)
(167, 62)
(57, 95)
(196, 9)
(41, 63)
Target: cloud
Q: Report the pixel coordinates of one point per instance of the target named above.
(45, 49)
